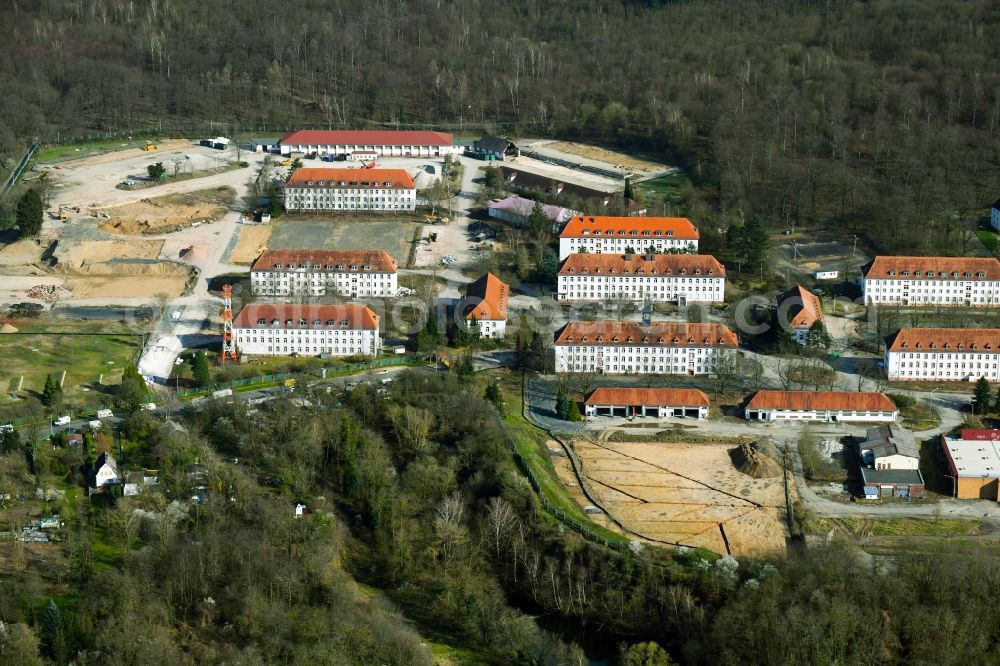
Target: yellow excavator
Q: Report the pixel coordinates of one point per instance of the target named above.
(150, 146)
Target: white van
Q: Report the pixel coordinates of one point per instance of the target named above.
(104, 414)
(149, 406)
(94, 425)
(61, 421)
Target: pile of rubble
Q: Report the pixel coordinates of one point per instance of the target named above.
(47, 292)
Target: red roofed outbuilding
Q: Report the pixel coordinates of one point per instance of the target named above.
(654, 402)
(383, 143)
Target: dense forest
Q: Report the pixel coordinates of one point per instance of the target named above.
(879, 118)
(422, 525)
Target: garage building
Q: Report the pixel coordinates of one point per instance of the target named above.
(655, 402)
(830, 406)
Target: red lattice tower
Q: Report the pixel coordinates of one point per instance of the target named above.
(228, 345)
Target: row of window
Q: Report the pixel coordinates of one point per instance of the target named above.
(622, 232)
(717, 283)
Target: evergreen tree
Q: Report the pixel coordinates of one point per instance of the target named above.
(29, 213)
(817, 336)
(548, 267)
(495, 396)
(573, 411)
(201, 370)
(465, 368)
(538, 222)
(562, 404)
(8, 441)
(156, 171)
(53, 633)
(52, 393)
(982, 396)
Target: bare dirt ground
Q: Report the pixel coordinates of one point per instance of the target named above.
(92, 252)
(131, 153)
(564, 470)
(609, 156)
(21, 252)
(168, 213)
(251, 241)
(687, 494)
(127, 287)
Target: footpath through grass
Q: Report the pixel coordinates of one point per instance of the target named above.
(529, 440)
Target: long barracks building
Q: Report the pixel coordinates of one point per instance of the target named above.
(375, 143)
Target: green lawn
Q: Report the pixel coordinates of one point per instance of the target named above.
(666, 187)
(84, 357)
(74, 151)
(989, 239)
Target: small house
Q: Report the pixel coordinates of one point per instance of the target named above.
(492, 148)
(654, 402)
(798, 311)
(106, 473)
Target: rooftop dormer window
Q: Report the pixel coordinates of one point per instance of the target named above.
(261, 322)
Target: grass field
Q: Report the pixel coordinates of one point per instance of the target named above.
(84, 355)
(989, 239)
(666, 187)
(348, 232)
(75, 151)
(941, 527)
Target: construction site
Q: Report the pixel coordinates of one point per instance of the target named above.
(728, 498)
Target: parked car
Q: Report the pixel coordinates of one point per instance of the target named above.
(105, 414)
(61, 421)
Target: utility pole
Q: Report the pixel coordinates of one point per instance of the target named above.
(854, 252)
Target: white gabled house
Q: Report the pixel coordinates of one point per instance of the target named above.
(106, 473)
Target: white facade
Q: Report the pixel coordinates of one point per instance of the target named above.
(107, 472)
(349, 274)
(918, 281)
(824, 415)
(303, 198)
(311, 331)
(490, 328)
(601, 234)
(617, 348)
(656, 411)
(616, 245)
(660, 278)
(656, 288)
(381, 150)
(942, 366)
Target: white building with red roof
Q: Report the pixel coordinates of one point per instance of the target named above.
(943, 354)
(306, 330)
(680, 278)
(485, 304)
(311, 189)
(348, 273)
(381, 143)
(798, 310)
(626, 347)
(598, 234)
(830, 406)
(655, 402)
(916, 281)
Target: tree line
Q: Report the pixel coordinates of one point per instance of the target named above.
(879, 119)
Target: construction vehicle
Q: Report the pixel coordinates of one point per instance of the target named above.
(289, 383)
(433, 237)
(370, 165)
(150, 146)
(287, 162)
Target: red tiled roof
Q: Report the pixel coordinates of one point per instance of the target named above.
(608, 395)
(395, 179)
(665, 334)
(358, 317)
(493, 295)
(365, 138)
(629, 264)
(980, 435)
(803, 309)
(950, 339)
(621, 227)
(822, 401)
(378, 261)
(968, 268)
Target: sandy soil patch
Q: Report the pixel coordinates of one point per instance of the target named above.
(90, 252)
(172, 212)
(126, 287)
(251, 242)
(603, 155)
(687, 494)
(20, 252)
